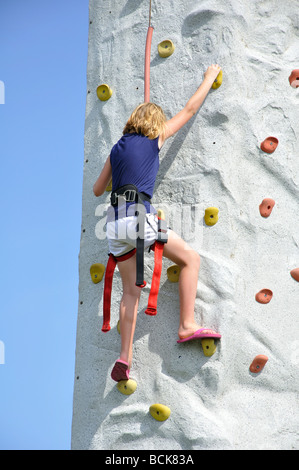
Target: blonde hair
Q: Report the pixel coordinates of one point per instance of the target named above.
(147, 119)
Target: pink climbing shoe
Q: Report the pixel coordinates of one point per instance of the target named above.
(120, 371)
(199, 335)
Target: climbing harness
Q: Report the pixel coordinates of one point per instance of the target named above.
(157, 247)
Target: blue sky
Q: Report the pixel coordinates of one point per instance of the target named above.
(43, 59)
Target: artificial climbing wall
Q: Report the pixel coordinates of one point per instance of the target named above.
(215, 161)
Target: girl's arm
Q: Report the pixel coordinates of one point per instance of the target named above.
(195, 102)
(103, 180)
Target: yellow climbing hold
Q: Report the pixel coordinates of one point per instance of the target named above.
(208, 346)
(97, 272)
(126, 387)
(118, 326)
(109, 187)
(160, 412)
(173, 273)
(161, 214)
(217, 83)
(211, 215)
(104, 92)
(166, 48)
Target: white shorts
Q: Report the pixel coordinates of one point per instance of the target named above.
(122, 235)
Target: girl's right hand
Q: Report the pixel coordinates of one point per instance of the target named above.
(212, 72)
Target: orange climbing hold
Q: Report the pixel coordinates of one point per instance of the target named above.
(258, 364)
(266, 207)
(264, 296)
(269, 145)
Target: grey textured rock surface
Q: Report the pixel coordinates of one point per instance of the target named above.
(216, 160)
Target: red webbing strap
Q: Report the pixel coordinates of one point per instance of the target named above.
(153, 296)
(110, 268)
(107, 292)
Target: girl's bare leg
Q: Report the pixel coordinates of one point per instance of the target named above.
(128, 307)
(188, 260)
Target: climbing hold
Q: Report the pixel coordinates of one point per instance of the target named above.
(97, 272)
(258, 364)
(269, 145)
(118, 326)
(161, 214)
(173, 273)
(160, 412)
(109, 187)
(211, 215)
(295, 274)
(294, 78)
(126, 387)
(208, 346)
(264, 296)
(217, 83)
(104, 92)
(166, 48)
(266, 207)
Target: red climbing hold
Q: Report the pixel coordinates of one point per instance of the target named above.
(294, 78)
(295, 274)
(258, 364)
(266, 207)
(264, 296)
(269, 145)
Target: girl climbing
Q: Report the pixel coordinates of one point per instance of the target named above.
(133, 165)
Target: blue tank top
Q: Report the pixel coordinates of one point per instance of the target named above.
(135, 160)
